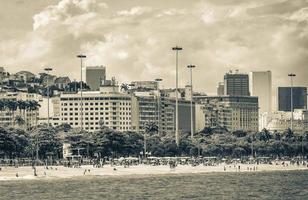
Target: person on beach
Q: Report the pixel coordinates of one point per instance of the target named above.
(17, 174)
(34, 171)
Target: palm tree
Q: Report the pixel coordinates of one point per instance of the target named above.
(22, 108)
(12, 106)
(150, 128)
(2, 106)
(33, 106)
(19, 121)
(124, 87)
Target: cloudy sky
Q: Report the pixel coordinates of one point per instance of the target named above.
(133, 38)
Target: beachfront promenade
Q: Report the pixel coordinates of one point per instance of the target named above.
(41, 172)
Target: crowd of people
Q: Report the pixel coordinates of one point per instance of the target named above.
(153, 161)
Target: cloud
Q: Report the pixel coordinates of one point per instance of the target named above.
(138, 10)
(135, 43)
(64, 10)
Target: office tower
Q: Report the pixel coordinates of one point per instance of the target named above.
(95, 76)
(299, 98)
(261, 87)
(236, 84)
(220, 89)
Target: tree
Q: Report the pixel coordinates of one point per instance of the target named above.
(133, 143)
(33, 106)
(12, 106)
(75, 86)
(109, 142)
(45, 140)
(19, 121)
(239, 133)
(124, 87)
(13, 142)
(150, 128)
(80, 140)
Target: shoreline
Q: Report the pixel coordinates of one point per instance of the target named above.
(60, 172)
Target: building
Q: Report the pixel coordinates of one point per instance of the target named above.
(144, 85)
(220, 89)
(157, 107)
(299, 98)
(104, 108)
(280, 120)
(261, 87)
(230, 112)
(29, 115)
(25, 76)
(62, 82)
(199, 117)
(95, 76)
(145, 109)
(54, 111)
(236, 84)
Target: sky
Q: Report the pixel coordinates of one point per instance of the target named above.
(133, 38)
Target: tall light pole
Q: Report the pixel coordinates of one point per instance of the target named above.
(81, 100)
(191, 101)
(158, 103)
(48, 69)
(291, 77)
(177, 138)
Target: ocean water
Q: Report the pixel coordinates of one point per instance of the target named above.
(259, 185)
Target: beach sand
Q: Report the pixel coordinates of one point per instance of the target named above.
(9, 173)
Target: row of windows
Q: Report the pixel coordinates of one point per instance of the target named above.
(96, 113)
(96, 118)
(97, 128)
(106, 108)
(95, 98)
(96, 104)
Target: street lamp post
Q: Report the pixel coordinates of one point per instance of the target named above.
(291, 77)
(48, 69)
(177, 138)
(158, 103)
(191, 101)
(81, 100)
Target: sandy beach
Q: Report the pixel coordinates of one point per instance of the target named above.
(9, 173)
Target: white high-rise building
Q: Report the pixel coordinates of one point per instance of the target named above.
(107, 107)
(261, 87)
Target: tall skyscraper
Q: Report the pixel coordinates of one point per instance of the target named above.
(261, 87)
(299, 98)
(236, 84)
(95, 75)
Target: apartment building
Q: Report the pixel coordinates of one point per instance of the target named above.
(231, 112)
(105, 108)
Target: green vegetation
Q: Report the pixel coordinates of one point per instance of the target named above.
(44, 141)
